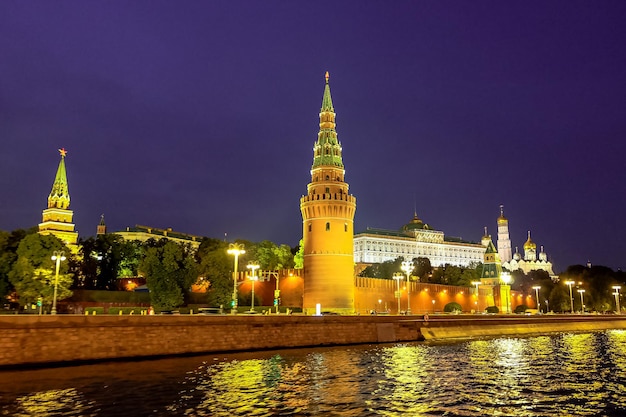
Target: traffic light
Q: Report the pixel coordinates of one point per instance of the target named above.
(39, 302)
(275, 301)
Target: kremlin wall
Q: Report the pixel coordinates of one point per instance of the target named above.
(332, 250)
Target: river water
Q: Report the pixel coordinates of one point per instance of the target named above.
(564, 374)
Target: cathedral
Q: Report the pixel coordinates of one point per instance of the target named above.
(513, 262)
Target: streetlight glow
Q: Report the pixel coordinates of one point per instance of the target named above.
(571, 297)
(235, 249)
(57, 256)
(253, 266)
(398, 277)
(407, 267)
(537, 288)
(506, 278)
(616, 289)
(582, 304)
(476, 283)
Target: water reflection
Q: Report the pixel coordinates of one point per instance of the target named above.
(565, 375)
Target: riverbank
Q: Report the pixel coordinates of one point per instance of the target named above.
(67, 339)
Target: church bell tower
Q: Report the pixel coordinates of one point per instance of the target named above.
(328, 223)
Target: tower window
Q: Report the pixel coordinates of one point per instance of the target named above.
(327, 190)
(309, 227)
(328, 227)
(345, 227)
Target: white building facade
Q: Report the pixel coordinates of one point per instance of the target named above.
(415, 240)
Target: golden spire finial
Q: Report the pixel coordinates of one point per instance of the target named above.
(327, 76)
(63, 152)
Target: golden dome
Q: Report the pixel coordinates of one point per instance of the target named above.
(529, 243)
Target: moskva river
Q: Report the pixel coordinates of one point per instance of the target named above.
(558, 375)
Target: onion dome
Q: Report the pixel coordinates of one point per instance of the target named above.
(529, 243)
(502, 219)
(517, 255)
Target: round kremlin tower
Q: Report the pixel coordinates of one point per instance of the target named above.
(328, 223)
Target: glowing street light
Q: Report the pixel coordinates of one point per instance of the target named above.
(235, 249)
(571, 297)
(57, 256)
(398, 277)
(537, 288)
(582, 304)
(506, 278)
(407, 267)
(616, 289)
(252, 266)
(476, 283)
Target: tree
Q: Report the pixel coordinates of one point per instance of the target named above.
(422, 269)
(298, 259)
(270, 256)
(216, 267)
(170, 270)
(33, 274)
(9, 243)
(104, 258)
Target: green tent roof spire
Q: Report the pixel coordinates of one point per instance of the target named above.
(60, 196)
(327, 150)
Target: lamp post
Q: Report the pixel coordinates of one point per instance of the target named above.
(571, 297)
(582, 304)
(252, 266)
(407, 267)
(616, 289)
(57, 256)
(506, 278)
(235, 249)
(476, 283)
(537, 288)
(398, 277)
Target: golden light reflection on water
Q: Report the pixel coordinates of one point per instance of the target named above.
(557, 375)
(53, 403)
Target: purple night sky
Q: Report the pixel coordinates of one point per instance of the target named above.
(201, 115)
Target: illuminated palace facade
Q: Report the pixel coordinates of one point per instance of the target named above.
(57, 217)
(328, 223)
(413, 240)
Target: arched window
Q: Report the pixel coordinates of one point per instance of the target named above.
(327, 226)
(345, 227)
(309, 227)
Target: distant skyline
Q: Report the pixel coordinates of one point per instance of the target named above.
(201, 116)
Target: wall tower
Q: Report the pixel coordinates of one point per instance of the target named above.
(57, 218)
(328, 223)
(504, 241)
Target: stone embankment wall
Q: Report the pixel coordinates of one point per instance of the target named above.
(43, 340)
(442, 328)
(31, 340)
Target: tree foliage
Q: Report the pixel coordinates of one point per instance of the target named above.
(33, 273)
(298, 258)
(170, 270)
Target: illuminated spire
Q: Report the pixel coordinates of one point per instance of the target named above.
(327, 150)
(60, 196)
(327, 102)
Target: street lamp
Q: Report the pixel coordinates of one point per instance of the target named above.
(571, 297)
(252, 266)
(398, 277)
(616, 289)
(235, 249)
(506, 278)
(476, 283)
(537, 288)
(582, 305)
(407, 267)
(57, 256)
